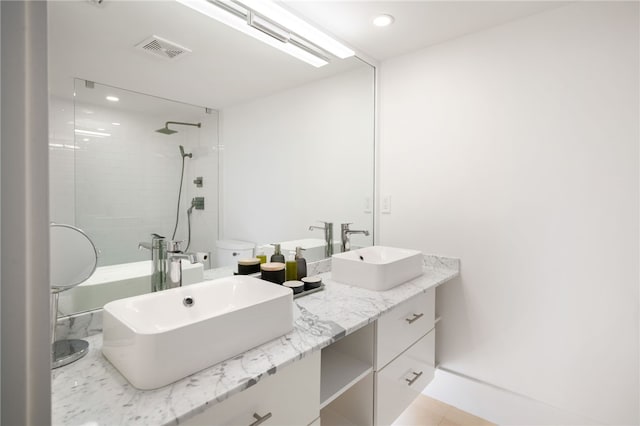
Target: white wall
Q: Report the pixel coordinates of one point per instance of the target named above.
(26, 359)
(516, 149)
(121, 188)
(0, 220)
(300, 156)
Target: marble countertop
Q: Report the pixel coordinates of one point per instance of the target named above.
(92, 392)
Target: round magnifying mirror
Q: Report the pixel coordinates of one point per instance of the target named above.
(74, 257)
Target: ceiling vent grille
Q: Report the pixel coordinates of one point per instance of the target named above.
(163, 48)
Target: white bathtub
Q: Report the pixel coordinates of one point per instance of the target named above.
(115, 282)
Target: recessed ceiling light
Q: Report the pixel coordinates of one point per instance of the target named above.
(116, 124)
(85, 140)
(113, 98)
(100, 129)
(383, 20)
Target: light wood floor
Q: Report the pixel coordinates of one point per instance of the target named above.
(425, 411)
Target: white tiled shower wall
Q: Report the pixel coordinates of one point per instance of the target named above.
(121, 188)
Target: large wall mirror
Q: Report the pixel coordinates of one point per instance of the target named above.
(280, 144)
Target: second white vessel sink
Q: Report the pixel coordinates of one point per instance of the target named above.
(158, 338)
(376, 268)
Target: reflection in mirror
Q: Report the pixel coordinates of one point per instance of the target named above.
(73, 257)
(131, 177)
(282, 145)
(128, 174)
(298, 157)
(73, 260)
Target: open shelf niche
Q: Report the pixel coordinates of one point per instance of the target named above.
(346, 391)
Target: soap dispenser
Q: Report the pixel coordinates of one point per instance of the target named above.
(277, 256)
(291, 268)
(301, 264)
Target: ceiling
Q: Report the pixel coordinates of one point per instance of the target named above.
(417, 23)
(96, 42)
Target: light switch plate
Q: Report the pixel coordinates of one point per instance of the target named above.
(386, 204)
(367, 204)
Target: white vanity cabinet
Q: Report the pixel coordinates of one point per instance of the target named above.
(405, 356)
(403, 326)
(366, 378)
(403, 379)
(372, 375)
(288, 398)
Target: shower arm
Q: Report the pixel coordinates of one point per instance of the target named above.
(182, 123)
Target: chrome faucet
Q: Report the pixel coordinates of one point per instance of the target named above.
(174, 264)
(328, 236)
(166, 267)
(158, 248)
(346, 232)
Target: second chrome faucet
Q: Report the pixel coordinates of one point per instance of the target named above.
(345, 234)
(328, 237)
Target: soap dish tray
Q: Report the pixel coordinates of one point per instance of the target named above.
(295, 296)
(308, 292)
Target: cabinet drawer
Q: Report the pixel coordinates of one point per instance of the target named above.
(400, 382)
(290, 397)
(404, 325)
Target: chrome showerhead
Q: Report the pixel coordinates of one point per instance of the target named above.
(167, 131)
(190, 155)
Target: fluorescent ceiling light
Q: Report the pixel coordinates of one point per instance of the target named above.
(302, 28)
(383, 20)
(112, 98)
(282, 29)
(91, 133)
(116, 124)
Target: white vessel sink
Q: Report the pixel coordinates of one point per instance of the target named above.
(158, 338)
(376, 268)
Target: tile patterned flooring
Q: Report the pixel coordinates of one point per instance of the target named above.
(425, 411)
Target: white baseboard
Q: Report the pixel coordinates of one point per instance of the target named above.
(497, 405)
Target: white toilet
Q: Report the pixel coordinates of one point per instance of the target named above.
(229, 251)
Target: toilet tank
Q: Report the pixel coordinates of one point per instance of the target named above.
(229, 251)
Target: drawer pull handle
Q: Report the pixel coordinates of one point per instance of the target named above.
(416, 377)
(260, 420)
(414, 319)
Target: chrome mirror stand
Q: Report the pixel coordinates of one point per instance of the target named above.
(64, 351)
(73, 259)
